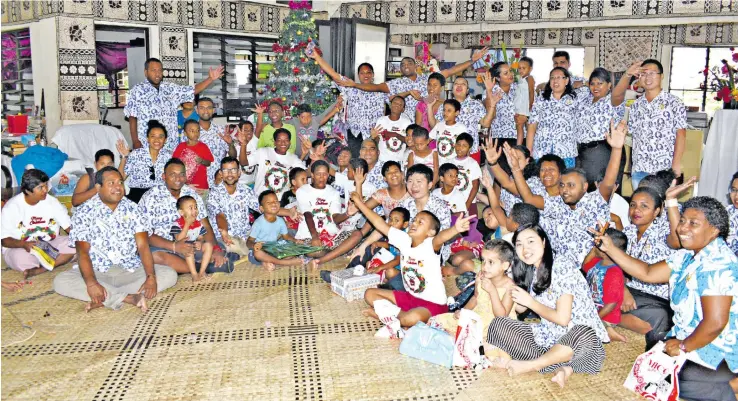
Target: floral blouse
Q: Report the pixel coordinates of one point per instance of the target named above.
(653, 126)
(567, 279)
(363, 109)
(593, 121)
(711, 272)
(733, 236)
(388, 203)
(651, 248)
(139, 164)
(503, 126)
(556, 130)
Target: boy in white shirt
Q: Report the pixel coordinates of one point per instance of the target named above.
(320, 204)
(469, 171)
(445, 133)
(449, 190)
(421, 271)
(273, 165)
(389, 131)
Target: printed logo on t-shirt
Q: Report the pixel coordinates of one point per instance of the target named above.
(445, 144)
(414, 281)
(276, 176)
(393, 144)
(38, 229)
(321, 213)
(463, 177)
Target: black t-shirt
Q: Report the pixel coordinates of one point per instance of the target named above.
(287, 198)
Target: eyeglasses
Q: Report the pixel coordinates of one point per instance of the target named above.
(733, 190)
(558, 78)
(650, 74)
(152, 177)
(229, 170)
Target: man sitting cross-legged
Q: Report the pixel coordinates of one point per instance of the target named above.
(159, 208)
(115, 262)
(229, 203)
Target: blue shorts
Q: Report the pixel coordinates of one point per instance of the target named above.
(252, 258)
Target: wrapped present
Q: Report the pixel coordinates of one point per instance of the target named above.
(285, 249)
(352, 287)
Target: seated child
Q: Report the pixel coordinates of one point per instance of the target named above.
(491, 296)
(399, 218)
(422, 154)
(409, 144)
(606, 282)
(196, 156)
(449, 190)
(389, 132)
(321, 206)
(420, 268)
(268, 228)
(522, 215)
(187, 228)
(298, 177)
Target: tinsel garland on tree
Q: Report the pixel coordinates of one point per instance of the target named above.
(295, 78)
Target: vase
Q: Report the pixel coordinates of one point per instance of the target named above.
(731, 105)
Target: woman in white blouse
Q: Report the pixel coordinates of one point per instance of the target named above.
(570, 335)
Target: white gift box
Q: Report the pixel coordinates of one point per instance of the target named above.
(351, 287)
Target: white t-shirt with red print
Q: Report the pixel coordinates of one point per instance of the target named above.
(420, 266)
(445, 137)
(393, 148)
(455, 200)
(323, 204)
(468, 172)
(33, 222)
(273, 170)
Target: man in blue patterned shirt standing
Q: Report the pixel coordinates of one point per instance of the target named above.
(112, 241)
(157, 100)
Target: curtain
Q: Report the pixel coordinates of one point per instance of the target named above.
(111, 59)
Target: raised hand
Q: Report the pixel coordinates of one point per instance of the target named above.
(486, 179)
(376, 131)
(356, 198)
(227, 138)
(675, 190)
(359, 177)
(635, 68)
(216, 73)
(489, 82)
(430, 101)
(122, 148)
(616, 137)
(493, 151)
(516, 164)
(464, 222)
(416, 94)
(477, 55)
(258, 109)
(495, 98)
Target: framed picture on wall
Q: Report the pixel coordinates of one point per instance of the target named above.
(395, 54)
(393, 69)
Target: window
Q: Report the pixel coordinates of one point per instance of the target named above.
(248, 62)
(542, 61)
(687, 80)
(17, 74)
(121, 53)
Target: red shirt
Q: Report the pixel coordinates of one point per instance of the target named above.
(197, 174)
(606, 284)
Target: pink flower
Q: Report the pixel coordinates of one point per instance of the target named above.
(724, 94)
(735, 57)
(724, 70)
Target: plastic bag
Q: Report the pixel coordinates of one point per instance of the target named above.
(655, 374)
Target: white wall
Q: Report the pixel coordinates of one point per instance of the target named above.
(46, 71)
(371, 47)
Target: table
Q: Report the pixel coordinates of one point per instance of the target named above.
(721, 156)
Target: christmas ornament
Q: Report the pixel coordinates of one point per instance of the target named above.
(260, 91)
(296, 70)
(299, 32)
(305, 89)
(294, 88)
(273, 89)
(284, 98)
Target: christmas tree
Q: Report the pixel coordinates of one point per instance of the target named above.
(295, 78)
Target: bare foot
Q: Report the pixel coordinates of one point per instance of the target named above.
(313, 265)
(614, 335)
(269, 266)
(141, 302)
(33, 272)
(370, 313)
(562, 375)
(206, 277)
(498, 362)
(196, 278)
(90, 306)
(515, 368)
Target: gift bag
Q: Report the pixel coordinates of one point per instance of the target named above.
(468, 340)
(428, 344)
(655, 375)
